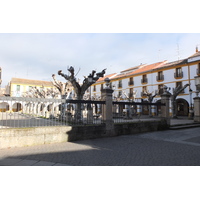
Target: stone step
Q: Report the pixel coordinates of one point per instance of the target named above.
(183, 126)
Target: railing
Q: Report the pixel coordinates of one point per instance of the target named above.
(131, 83)
(18, 112)
(144, 80)
(178, 75)
(131, 111)
(198, 71)
(119, 85)
(30, 112)
(160, 78)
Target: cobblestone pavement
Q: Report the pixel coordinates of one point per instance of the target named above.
(161, 148)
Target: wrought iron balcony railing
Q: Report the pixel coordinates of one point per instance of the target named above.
(160, 78)
(198, 71)
(120, 85)
(131, 83)
(144, 80)
(178, 75)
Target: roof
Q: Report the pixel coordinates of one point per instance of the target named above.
(30, 82)
(106, 76)
(174, 63)
(150, 67)
(195, 55)
(133, 68)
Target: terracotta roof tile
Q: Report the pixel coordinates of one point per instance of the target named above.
(150, 67)
(31, 82)
(106, 76)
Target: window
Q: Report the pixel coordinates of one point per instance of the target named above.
(30, 88)
(144, 79)
(131, 81)
(144, 89)
(18, 88)
(178, 73)
(120, 93)
(160, 76)
(120, 84)
(94, 88)
(160, 89)
(181, 85)
(178, 84)
(198, 69)
(101, 86)
(130, 92)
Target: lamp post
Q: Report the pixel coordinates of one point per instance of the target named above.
(90, 80)
(197, 83)
(191, 111)
(197, 100)
(89, 107)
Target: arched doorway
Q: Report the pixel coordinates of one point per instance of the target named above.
(182, 107)
(17, 107)
(4, 106)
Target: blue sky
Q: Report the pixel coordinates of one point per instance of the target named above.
(39, 55)
(38, 38)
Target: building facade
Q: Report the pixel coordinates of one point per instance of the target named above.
(132, 84)
(18, 87)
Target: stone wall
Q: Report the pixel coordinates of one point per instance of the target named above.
(19, 137)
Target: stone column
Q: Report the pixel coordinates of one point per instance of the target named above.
(197, 109)
(107, 114)
(165, 98)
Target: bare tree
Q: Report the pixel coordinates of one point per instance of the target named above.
(175, 93)
(80, 89)
(64, 88)
(87, 82)
(150, 98)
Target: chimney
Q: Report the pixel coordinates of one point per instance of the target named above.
(196, 48)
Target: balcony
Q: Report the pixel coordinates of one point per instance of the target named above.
(143, 94)
(178, 75)
(160, 78)
(198, 71)
(144, 80)
(120, 85)
(131, 83)
(130, 95)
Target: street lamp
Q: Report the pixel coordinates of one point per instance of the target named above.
(90, 80)
(197, 84)
(191, 111)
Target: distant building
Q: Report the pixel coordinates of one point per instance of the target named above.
(0, 77)
(18, 87)
(152, 77)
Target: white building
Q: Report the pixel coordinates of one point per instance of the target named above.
(133, 82)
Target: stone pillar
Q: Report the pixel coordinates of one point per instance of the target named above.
(107, 114)
(197, 109)
(165, 98)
